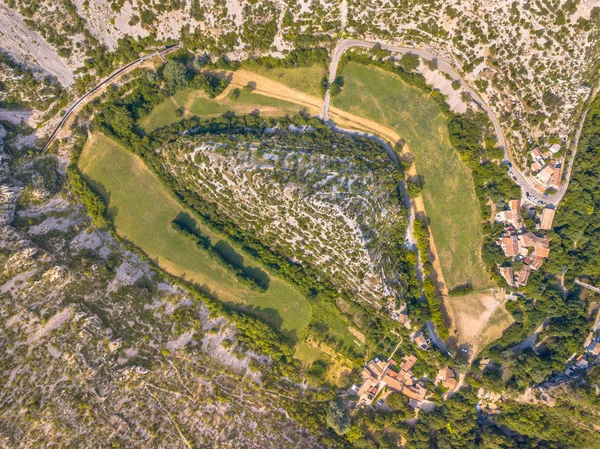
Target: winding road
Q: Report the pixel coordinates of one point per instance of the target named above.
(83, 100)
(528, 189)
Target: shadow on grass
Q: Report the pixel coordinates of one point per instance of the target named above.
(236, 260)
(268, 315)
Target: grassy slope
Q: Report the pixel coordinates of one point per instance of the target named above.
(304, 79)
(448, 194)
(142, 210)
(195, 102)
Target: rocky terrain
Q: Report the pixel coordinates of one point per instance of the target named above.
(532, 62)
(338, 210)
(99, 350)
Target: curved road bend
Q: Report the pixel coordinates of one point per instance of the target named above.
(103, 86)
(526, 185)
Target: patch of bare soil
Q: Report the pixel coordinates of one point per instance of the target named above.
(480, 318)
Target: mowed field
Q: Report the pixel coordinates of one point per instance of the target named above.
(142, 210)
(197, 103)
(304, 79)
(448, 193)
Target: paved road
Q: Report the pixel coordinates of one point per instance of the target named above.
(83, 100)
(527, 185)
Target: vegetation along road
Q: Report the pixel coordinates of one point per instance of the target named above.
(527, 186)
(102, 86)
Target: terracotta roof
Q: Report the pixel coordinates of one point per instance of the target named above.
(528, 239)
(408, 362)
(375, 367)
(416, 393)
(540, 251)
(450, 383)
(547, 218)
(523, 276)
(536, 166)
(536, 153)
(364, 388)
(536, 263)
(594, 348)
(510, 246)
(556, 176)
(393, 383)
(546, 174)
(515, 207)
(540, 189)
(542, 242)
(508, 274)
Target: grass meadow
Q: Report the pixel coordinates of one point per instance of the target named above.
(304, 79)
(448, 193)
(142, 209)
(197, 103)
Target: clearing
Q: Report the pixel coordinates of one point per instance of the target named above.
(197, 103)
(142, 210)
(304, 79)
(480, 318)
(448, 193)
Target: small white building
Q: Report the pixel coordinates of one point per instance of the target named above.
(554, 148)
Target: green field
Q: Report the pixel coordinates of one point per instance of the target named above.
(448, 193)
(142, 210)
(304, 79)
(307, 354)
(196, 103)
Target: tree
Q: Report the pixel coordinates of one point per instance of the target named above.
(336, 87)
(338, 417)
(400, 404)
(409, 62)
(318, 370)
(414, 188)
(175, 76)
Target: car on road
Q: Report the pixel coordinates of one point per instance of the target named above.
(514, 178)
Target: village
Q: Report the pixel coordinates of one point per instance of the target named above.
(380, 378)
(547, 167)
(527, 250)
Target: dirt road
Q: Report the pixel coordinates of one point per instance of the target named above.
(346, 122)
(527, 184)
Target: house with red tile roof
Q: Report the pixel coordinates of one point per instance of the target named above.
(594, 348)
(448, 378)
(545, 175)
(547, 218)
(523, 276)
(508, 274)
(536, 263)
(510, 245)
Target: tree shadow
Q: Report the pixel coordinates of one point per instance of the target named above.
(270, 316)
(236, 260)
